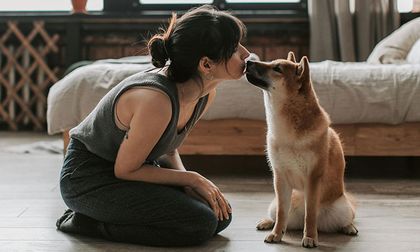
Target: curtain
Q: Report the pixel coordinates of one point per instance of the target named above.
(348, 30)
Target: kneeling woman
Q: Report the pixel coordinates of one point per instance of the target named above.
(122, 178)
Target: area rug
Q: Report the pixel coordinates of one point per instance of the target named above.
(40, 147)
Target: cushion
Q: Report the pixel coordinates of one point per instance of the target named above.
(413, 56)
(394, 48)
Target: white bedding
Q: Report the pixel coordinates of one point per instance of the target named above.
(349, 92)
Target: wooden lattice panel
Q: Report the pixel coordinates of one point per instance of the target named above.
(25, 75)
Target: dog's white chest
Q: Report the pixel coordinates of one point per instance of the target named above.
(295, 164)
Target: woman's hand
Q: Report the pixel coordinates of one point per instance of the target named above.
(211, 194)
(193, 194)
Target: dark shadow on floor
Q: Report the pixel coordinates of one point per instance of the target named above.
(356, 167)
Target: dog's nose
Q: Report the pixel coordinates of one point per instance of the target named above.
(249, 65)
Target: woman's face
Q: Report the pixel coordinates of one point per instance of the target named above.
(235, 66)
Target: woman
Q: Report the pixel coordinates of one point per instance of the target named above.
(122, 177)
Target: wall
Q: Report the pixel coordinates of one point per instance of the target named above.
(268, 44)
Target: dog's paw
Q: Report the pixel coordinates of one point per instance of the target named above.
(309, 242)
(274, 237)
(350, 230)
(265, 224)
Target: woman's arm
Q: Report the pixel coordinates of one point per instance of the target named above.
(150, 112)
(157, 175)
(172, 160)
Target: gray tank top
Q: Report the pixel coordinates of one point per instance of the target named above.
(101, 136)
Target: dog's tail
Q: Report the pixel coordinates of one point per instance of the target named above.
(332, 217)
(352, 201)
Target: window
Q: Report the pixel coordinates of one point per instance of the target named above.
(138, 5)
(405, 6)
(127, 5)
(175, 1)
(267, 4)
(46, 5)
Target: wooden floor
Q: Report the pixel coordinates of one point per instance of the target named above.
(388, 215)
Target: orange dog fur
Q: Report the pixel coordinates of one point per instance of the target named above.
(305, 155)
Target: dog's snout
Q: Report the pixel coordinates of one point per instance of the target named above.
(255, 74)
(255, 67)
(250, 64)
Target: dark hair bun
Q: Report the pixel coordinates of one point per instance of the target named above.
(158, 51)
(202, 31)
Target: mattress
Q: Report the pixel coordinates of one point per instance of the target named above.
(349, 92)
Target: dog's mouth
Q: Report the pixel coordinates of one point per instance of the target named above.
(256, 81)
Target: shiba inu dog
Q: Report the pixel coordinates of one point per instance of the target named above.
(305, 155)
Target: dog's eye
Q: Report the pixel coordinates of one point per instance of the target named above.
(277, 69)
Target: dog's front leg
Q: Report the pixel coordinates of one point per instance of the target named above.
(312, 198)
(283, 193)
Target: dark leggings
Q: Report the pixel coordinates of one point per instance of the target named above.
(129, 211)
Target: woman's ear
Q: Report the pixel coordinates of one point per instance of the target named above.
(205, 65)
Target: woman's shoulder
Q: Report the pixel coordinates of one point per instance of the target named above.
(145, 90)
(146, 101)
(146, 96)
(151, 99)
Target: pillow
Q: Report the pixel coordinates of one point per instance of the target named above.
(413, 56)
(395, 47)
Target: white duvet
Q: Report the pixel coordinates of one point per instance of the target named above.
(349, 92)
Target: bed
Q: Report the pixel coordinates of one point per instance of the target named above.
(374, 107)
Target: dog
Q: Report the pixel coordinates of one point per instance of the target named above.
(304, 153)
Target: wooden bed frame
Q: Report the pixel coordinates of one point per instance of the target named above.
(247, 137)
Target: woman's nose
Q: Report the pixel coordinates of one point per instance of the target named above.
(245, 53)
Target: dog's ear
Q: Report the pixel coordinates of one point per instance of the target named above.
(303, 69)
(291, 56)
(303, 75)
